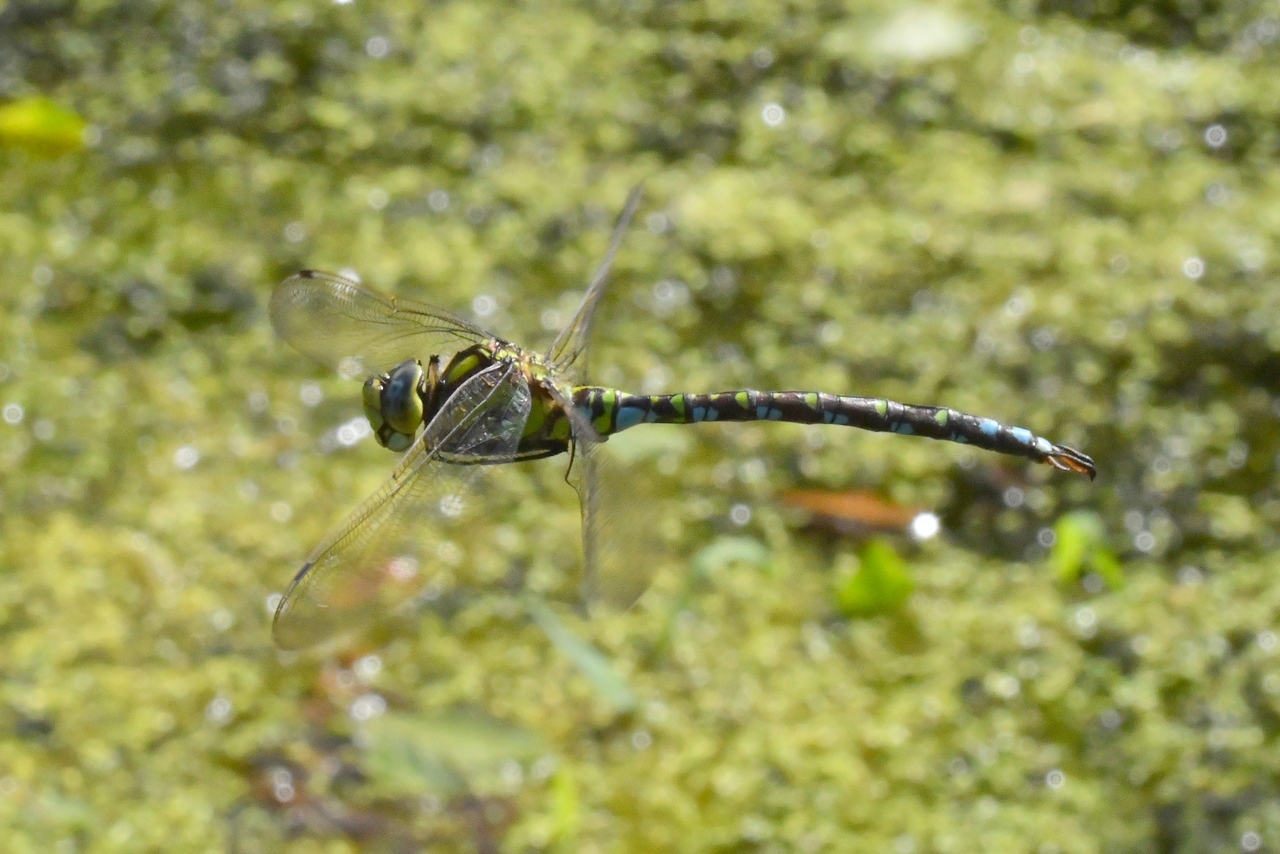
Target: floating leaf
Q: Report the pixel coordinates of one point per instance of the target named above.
(1107, 566)
(878, 585)
(729, 550)
(566, 804)
(443, 752)
(1080, 543)
(720, 553)
(591, 663)
(849, 512)
(1073, 536)
(41, 126)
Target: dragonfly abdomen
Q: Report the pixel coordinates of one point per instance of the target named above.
(612, 411)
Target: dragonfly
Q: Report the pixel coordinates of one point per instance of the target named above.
(480, 400)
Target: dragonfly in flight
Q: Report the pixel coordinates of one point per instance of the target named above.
(480, 399)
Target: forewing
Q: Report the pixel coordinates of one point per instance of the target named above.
(388, 550)
(357, 331)
(571, 341)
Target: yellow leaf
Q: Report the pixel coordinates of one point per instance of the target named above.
(41, 126)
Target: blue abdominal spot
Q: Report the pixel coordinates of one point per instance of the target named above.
(629, 416)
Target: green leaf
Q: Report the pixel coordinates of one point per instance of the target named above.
(1107, 566)
(729, 550)
(591, 663)
(443, 752)
(879, 584)
(41, 126)
(566, 805)
(1080, 543)
(1074, 535)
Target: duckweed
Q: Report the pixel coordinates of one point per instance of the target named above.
(1060, 214)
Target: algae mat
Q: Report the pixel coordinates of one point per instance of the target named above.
(1064, 215)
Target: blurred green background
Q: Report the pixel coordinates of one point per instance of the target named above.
(1061, 214)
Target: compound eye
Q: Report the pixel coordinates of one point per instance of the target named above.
(401, 407)
(398, 442)
(372, 399)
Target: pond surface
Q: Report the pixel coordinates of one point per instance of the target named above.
(1063, 216)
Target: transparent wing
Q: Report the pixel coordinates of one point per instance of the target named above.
(586, 480)
(390, 548)
(617, 543)
(571, 341)
(621, 542)
(583, 475)
(608, 575)
(343, 324)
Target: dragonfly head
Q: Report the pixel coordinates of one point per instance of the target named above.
(394, 403)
